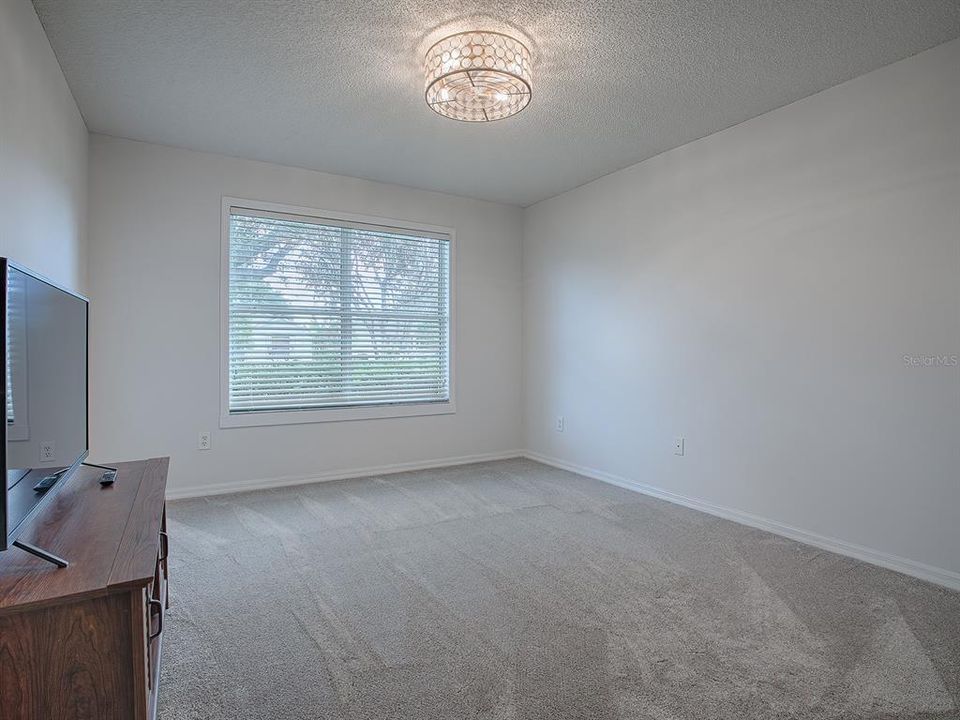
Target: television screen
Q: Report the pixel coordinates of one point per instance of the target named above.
(45, 360)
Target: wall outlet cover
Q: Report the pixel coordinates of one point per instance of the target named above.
(678, 446)
(47, 451)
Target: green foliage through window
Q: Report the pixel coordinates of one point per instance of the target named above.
(324, 314)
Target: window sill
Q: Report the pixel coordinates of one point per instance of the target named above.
(304, 417)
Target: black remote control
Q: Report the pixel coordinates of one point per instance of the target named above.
(108, 477)
(48, 482)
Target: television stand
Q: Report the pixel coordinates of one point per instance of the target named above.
(41, 553)
(85, 642)
(106, 478)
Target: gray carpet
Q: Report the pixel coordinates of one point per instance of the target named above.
(512, 590)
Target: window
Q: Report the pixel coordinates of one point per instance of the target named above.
(332, 317)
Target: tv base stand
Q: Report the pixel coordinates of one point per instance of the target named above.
(41, 553)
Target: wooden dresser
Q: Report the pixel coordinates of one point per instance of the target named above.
(83, 642)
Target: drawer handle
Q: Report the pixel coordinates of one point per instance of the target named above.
(154, 636)
(164, 546)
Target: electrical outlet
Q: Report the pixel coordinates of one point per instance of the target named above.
(203, 440)
(559, 424)
(678, 446)
(47, 451)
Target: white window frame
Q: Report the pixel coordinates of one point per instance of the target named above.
(298, 417)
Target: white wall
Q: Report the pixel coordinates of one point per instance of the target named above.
(756, 292)
(43, 154)
(154, 275)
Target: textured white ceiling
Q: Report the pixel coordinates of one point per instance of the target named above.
(336, 85)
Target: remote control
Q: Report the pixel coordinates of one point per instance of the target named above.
(47, 483)
(108, 477)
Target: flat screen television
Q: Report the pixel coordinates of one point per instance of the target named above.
(45, 392)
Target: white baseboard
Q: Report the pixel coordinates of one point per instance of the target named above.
(286, 480)
(940, 576)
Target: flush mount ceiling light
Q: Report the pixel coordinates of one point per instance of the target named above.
(478, 76)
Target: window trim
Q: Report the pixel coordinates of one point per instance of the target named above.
(340, 414)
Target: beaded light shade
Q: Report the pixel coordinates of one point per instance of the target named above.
(478, 76)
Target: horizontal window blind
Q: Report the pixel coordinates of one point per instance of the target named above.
(330, 314)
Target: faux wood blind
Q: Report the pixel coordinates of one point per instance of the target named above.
(330, 314)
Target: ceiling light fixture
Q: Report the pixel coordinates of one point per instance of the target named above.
(478, 76)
